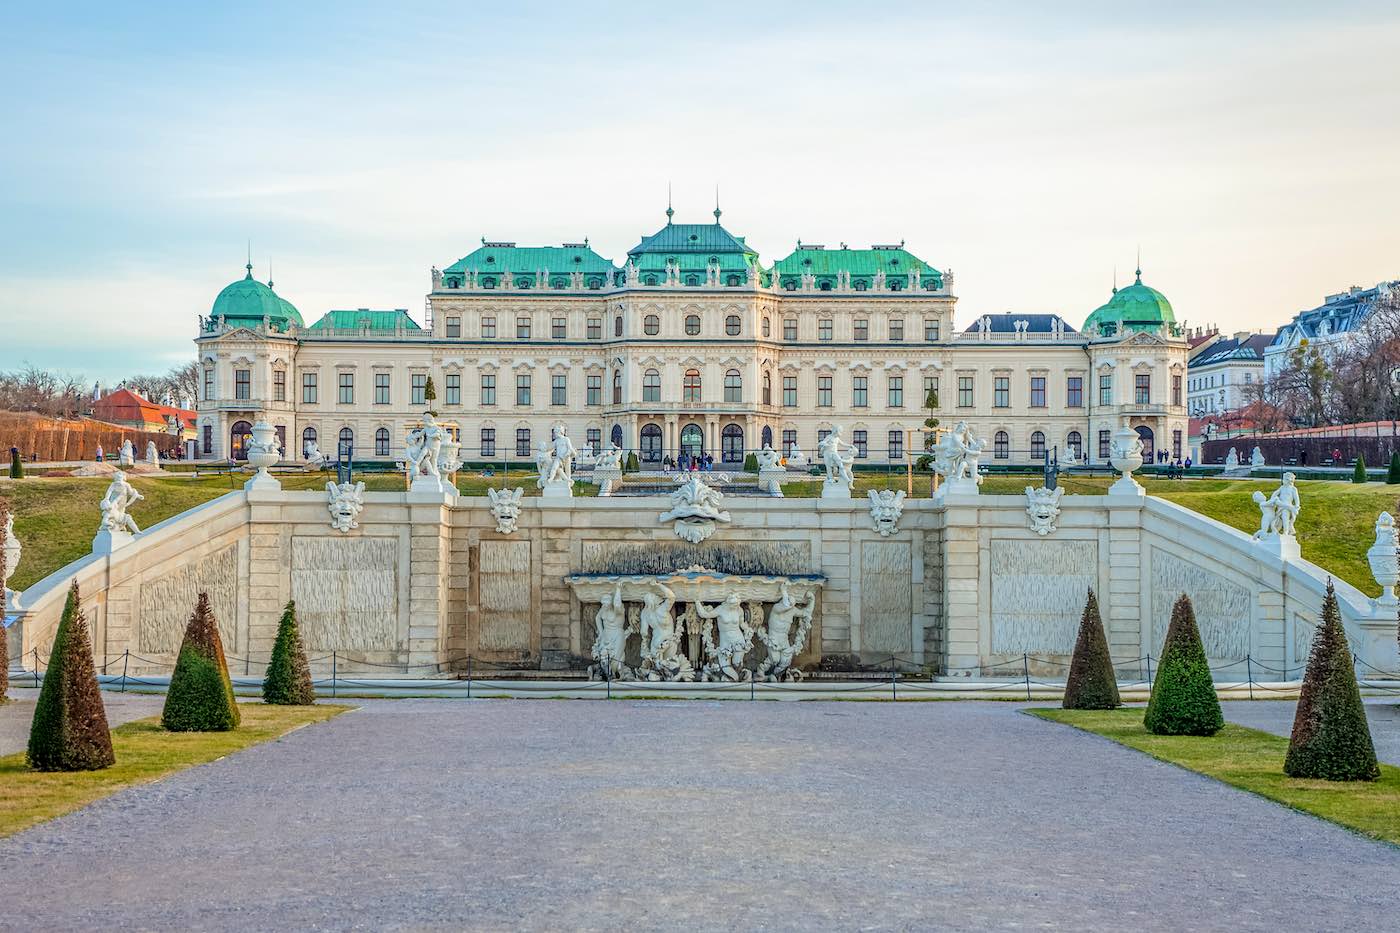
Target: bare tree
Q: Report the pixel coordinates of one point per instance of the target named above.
(58, 395)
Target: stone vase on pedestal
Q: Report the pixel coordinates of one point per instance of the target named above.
(263, 453)
(1384, 559)
(1127, 457)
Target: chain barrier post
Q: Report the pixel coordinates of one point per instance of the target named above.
(334, 671)
(894, 681)
(126, 656)
(469, 677)
(1249, 672)
(751, 680)
(36, 668)
(1026, 670)
(1149, 672)
(607, 674)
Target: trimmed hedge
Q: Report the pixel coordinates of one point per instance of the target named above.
(750, 463)
(632, 465)
(1331, 739)
(1092, 683)
(16, 464)
(200, 698)
(1392, 475)
(1358, 475)
(70, 731)
(1183, 695)
(288, 679)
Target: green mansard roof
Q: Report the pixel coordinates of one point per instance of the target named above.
(247, 302)
(524, 263)
(365, 319)
(693, 248)
(1136, 307)
(860, 264)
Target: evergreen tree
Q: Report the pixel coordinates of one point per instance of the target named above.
(1392, 475)
(288, 679)
(70, 724)
(200, 698)
(750, 463)
(1183, 698)
(1359, 474)
(1092, 683)
(16, 464)
(1331, 738)
(430, 394)
(632, 465)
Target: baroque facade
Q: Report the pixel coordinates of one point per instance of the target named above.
(690, 347)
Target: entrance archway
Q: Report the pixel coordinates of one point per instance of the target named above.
(238, 437)
(1149, 448)
(692, 440)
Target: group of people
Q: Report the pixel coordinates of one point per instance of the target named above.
(692, 462)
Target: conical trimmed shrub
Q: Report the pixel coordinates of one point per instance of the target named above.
(16, 464)
(70, 724)
(200, 698)
(1392, 475)
(288, 679)
(1183, 696)
(1331, 738)
(1358, 475)
(1092, 683)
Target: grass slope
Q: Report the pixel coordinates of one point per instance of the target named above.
(145, 753)
(1253, 761)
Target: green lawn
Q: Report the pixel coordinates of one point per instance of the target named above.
(1253, 761)
(145, 753)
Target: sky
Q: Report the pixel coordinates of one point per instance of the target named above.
(1250, 152)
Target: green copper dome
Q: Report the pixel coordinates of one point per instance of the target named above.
(247, 302)
(1137, 307)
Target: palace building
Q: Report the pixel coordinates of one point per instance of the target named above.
(690, 345)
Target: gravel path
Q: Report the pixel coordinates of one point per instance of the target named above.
(15, 718)
(699, 815)
(1276, 716)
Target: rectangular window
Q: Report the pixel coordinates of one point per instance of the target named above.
(896, 445)
(789, 328)
(822, 435)
(1103, 445)
(488, 442)
(488, 328)
(859, 391)
(454, 389)
(522, 442)
(208, 438)
(1176, 444)
(1176, 388)
(1001, 392)
(595, 328)
(896, 329)
(930, 329)
(789, 441)
(964, 391)
(824, 329)
(1074, 391)
(789, 391)
(347, 389)
(559, 328)
(488, 390)
(419, 385)
(381, 388)
(593, 437)
(595, 390)
(858, 440)
(242, 383)
(896, 392)
(522, 328)
(824, 391)
(279, 385)
(308, 388)
(931, 388)
(522, 389)
(559, 389)
(1142, 389)
(1106, 389)
(381, 442)
(454, 327)
(862, 329)
(1037, 391)
(208, 384)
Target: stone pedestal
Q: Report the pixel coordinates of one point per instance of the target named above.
(836, 489)
(262, 481)
(1285, 546)
(427, 483)
(108, 541)
(772, 480)
(606, 480)
(558, 489)
(1127, 486)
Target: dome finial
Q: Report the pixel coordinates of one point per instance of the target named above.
(1138, 271)
(249, 266)
(716, 204)
(269, 272)
(669, 212)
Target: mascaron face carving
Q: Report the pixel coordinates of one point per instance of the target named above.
(505, 506)
(695, 508)
(345, 502)
(1043, 507)
(886, 505)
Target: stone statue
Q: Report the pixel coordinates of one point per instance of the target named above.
(695, 507)
(345, 502)
(152, 455)
(12, 555)
(505, 507)
(796, 458)
(610, 458)
(777, 636)
(556, 465)
(770, 471)
(1384, 558)
(1232, 459)
(607, 470)
(120, 496)
(423, 450)
(315, 460)
(839, 480)
(544, 463)
(610, 644)
(1043, 506)
(662, 658)
(886, 505)
(586, 456)
(127, 457)
(1278, 512)
(955, 458)
(1070, 458)
(725, 660)
(767, 459)
(1256, 458)
(1125, 455)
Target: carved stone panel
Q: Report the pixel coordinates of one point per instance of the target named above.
(347, 592)
(1038, 591)
(168, 599)
(735, 557)
(886, 600)
(1222, 607)
(505, 596)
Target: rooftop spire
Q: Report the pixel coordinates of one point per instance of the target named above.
(249, 266)
(1138, 271)
(269, 272)
(716, 204)
(669, 212)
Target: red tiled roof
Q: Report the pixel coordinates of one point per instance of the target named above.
(126, 405)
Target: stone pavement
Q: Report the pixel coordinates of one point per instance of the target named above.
(700, 815)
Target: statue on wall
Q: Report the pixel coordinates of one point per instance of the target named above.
(555, 464)
(1232, 459)
(796, 458)
(345, 502)
(1043, 506)
(661, 638)
(770, 471)
(505, 507)
(695, 507)
(1256, 458)
(127, 456)
(778, 638)
(886, 505)
(315, 460)
(12, 551)
(1278, 512)
(120, 497)
(837, 456)
(422, 450)
(610, 644)
(610, 458)
(767, 459)
(725, 660)
(956, 456)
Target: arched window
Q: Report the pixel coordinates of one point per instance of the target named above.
(732, 444)
(617, 326)
(692, 440)
(732, 280)
(616, 435)
(692, 324)
(651, 325)
(766, 437)
(1001, 446)
(731, 325)
(767, 327)
(617, 387)
(767, 388)
(1038, 445)
(1076, 444)
(690, 387)
(733, 386)
(651, 443)
(381, 442)
(346, 448)
(238, 437)
(308, 440)
(651, 386)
